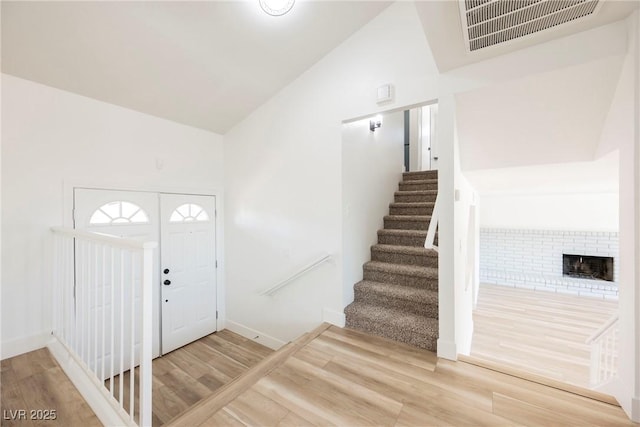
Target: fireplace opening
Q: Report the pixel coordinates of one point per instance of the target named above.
(588, 267)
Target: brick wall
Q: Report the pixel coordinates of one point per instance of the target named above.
(533, 259)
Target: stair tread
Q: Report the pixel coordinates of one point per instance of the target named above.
(408, 293)
(408, 217)
(409, 250)
(409, 270)
(411, 204)
(415, 323)
(414, 173)
(401, 232)
(415, 192)
(420, 181)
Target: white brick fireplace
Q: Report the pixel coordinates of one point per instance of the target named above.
(532, 259)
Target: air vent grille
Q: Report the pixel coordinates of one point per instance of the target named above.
(490, 22)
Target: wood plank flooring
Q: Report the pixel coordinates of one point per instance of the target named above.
(540, 332)
(34, 381)
(194, 372)
(341, 377)
(181, 379)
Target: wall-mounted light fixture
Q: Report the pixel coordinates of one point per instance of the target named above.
(276, 7)
(375, 123)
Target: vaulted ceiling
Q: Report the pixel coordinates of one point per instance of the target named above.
(209, 64)
(206, 64)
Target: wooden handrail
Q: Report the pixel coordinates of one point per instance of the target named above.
(275, 288)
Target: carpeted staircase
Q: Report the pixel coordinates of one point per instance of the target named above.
(398, 297)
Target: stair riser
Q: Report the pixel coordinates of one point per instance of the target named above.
(400, 279)
(424, 341)
(406, 259)
(394, 224)
(404, 198)
(420, 176)
(411, 210)
(385, 302)
(410, 186)
(401, 240)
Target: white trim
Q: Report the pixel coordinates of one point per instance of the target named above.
(447, 349)
(255, 335)
(118, 242)
(23, 345)
(389, 111)
(334, 317)
(635, 409)
(107, 415)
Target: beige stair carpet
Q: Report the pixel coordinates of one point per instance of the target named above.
(398, 296)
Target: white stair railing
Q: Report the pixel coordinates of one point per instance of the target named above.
(433, 227)
(103, 313)
(604, 352)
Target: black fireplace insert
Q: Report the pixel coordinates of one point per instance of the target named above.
(588, 267)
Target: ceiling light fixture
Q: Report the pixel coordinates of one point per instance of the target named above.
(276, 7)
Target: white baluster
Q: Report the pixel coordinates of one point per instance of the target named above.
(96, 284)
(121, 378)
(103, 349)
(146, 349)
(133, 322)
(112, 329)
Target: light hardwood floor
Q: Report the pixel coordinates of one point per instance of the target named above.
(540, 332)
(34, 381)
(340, 377)
(180, 380)
(196, 371)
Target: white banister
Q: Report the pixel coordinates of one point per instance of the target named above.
(103, 317)
(433, 227)
(275, 288)
(602, 329)
(604, 352)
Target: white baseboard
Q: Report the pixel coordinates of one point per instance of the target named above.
(20, 346)
(89, 390)
(334, 317)
(447, 349)
(635, 409)
(255, 335)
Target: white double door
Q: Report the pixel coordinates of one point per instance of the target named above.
(184, 273)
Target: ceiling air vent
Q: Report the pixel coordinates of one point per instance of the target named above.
(491, 22)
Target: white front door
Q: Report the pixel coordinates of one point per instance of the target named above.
(188, 268)
(184, 225)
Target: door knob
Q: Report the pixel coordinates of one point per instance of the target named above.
(167, 282)
(166, 271)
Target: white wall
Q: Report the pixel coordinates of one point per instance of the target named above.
(550, 117)
(466, 253)
(283, 177)
(372, 165)
(627, 389)
(571, 212)
(51, 137)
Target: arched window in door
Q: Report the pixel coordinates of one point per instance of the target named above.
(189, 212)
(119, 212)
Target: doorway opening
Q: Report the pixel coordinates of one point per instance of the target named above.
(420, 138)
(184, 266)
